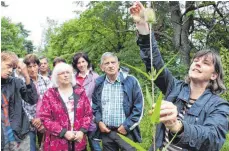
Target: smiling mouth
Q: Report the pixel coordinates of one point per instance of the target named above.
(196, 70)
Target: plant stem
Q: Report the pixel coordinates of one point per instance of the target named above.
(152, 81)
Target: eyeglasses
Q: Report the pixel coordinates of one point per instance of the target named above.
(62, 73)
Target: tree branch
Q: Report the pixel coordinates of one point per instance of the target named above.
(208, 34)
(220, 14)
(164, 35)
(192, 7)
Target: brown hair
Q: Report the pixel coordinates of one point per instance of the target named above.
(31, 58)
(58, 60)
(216, 86)
(9, 55)
(76, 57)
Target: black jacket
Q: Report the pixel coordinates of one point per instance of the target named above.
(15, 90)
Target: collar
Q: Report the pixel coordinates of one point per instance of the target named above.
(199, 103)
(87, 73)
(118, 79)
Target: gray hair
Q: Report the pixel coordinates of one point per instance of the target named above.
(108, 54)
(43, 57)
(61, 67)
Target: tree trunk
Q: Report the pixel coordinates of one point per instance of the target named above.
(181, 25)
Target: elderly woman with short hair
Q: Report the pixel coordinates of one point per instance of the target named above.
(66, 112)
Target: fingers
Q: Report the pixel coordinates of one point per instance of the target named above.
(136, 8)
(103, 128)
(78, 136)
(170, 117)
(139, 4)
(168, 113)
(107, 130)
(36, 123)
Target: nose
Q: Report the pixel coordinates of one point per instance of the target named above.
(33, 68)
(198, 64)
(110, 65)
(10, 70)
(66, 73)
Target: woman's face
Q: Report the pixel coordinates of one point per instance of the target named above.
(64, 78)
(82, 65)
(202, 69)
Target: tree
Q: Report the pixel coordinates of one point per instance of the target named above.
(13, 38)
(192, 20)
(3, 4)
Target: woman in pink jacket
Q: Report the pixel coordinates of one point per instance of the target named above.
(66, 112)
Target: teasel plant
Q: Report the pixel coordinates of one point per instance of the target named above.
(149, 16)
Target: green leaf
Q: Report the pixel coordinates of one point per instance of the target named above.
(138, 70)
(148, 97)
(156, 112)
(132, 143)
(159, 72)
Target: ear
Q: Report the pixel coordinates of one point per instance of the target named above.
(101, 67)
(214, 76)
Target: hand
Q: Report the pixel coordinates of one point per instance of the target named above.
(24, 72)
(122, 130)
(168, 116)
(36, 122)
(69, 135)
(103, 128)
(23, 69)
(41, 129)
(78, 136)
(137, 12)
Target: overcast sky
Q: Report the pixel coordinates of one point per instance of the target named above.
(33, 13)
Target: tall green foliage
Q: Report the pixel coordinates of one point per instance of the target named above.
(13, 38)
(224, 53)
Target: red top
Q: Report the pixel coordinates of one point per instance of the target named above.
(80, 80)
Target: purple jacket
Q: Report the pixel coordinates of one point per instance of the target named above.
(89, 84)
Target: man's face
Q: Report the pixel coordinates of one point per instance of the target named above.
(110, 66)
(202, 69)
(32, 70)
(6, 69)
(43, 65)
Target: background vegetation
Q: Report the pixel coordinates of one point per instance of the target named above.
(182, 28)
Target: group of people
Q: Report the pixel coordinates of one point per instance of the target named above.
(57, 107)
(72, 104)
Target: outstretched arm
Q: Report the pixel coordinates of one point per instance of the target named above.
(165, 81)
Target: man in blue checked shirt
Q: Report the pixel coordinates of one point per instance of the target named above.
(117, 105)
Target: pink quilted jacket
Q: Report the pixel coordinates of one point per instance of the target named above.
(55, 118)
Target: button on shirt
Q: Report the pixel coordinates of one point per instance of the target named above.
(112, 103)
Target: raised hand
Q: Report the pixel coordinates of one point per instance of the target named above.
(137, 12)
(24, 72)
(23, 69)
